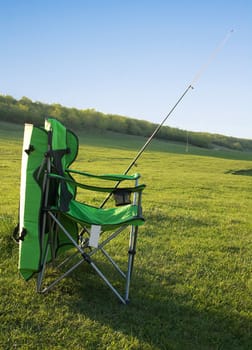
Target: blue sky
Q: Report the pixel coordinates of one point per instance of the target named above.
(133, 58)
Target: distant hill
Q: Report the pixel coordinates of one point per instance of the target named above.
(26, 110)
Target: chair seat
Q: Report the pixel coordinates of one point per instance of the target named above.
(83, 213)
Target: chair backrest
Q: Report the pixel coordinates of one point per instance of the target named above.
(64, 143)
(63, 149)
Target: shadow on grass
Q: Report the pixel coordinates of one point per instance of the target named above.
(158, 316)
(163, 314)
(244, 172)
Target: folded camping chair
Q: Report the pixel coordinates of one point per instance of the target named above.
(52, 222)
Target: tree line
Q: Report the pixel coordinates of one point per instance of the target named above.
(25, 110)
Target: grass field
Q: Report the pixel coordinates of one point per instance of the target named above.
(192, 282)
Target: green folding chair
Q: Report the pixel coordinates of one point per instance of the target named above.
(57, 230)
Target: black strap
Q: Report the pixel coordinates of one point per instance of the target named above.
(17, 238)
(132, 251)
(29, 150)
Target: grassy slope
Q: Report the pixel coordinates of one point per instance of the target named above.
(192, 281)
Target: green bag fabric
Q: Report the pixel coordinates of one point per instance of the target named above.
(30, 200)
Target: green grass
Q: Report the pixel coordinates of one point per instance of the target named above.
(192, 283)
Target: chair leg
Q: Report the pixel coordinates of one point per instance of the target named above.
(42, 271)
(50, 247)
(46, 289)
(113, 263)
(88, 259)
(131, 255)
(98, 271)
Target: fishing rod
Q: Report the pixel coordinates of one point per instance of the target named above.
(190, 87)
(156, 130)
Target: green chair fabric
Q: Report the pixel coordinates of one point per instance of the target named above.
(50, 217)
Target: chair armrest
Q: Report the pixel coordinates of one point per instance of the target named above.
(111, 177)
(137, 188)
